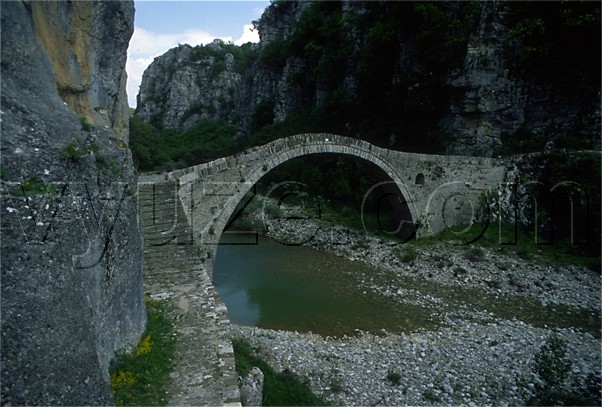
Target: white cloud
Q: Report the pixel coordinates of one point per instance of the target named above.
(145, 46)
(248, 35)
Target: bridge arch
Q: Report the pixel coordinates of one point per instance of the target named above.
(254, 164)
(329, 147)
(255, 177)
(209, 193)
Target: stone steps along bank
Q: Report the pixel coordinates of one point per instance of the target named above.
(204, 371)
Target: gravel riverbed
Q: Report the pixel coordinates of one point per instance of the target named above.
(477, 355)
(465, 363)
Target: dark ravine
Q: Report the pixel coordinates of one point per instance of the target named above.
(72, 292)
(472, 99)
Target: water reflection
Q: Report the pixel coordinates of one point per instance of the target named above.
(297, 288)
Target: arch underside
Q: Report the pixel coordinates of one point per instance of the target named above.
(397, 191)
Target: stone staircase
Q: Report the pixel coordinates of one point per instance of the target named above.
(204, 372)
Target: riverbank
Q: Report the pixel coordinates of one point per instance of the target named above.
(502, 311)
(466, 363)
(442, 262)
(494, 269)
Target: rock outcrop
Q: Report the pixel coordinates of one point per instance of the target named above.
(251, 388)
(72, 292)
(387, 73)
(487, 99)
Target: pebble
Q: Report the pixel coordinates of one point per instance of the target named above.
(360, 367)
(473, 358)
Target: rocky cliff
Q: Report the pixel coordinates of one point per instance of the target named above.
(472, 78)
(72, 289)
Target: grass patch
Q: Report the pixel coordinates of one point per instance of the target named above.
(430, 395)
(33, 187)
(554, 370)
(140, 377)
(86, 125)
(406, 254)
(76, 150)
(279, 389)
(513, 242)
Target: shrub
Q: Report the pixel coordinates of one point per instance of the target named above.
(394, 377)
(78, 149)
(279, 389)
(430, 395)
(33, 187)
(407, 256)
(553, 368)
(86, 126)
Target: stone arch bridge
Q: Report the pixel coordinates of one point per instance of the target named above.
(436, 191)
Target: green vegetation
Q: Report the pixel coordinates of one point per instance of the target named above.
(430, 395)
(554, 370)
(140, 377)
(514, 241)
(169, 149)
(549, 50)
(398, 111)
(527, 140)
(279, 389)
(78, 149)
(217, 50)
(32, 187)
(551, 46)
(86, 126)
(393, 377)
(568, 196)
(339, 185)
(406, 254)
(412, 48)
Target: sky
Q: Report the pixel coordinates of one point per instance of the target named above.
(162, 25)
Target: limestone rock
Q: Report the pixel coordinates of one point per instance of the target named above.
(184, 86)
(251, 388)
(72, 289)
(488, 100)
(484, 98)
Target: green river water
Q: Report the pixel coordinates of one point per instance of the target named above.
(296, 288)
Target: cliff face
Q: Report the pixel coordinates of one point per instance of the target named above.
(72, 289)
(221, 81)
(485, 99)
(430, 77)
(489, 100)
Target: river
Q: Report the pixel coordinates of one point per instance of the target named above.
(297, 288)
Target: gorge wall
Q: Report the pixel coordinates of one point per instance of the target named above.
(72, 290)
(478, 78)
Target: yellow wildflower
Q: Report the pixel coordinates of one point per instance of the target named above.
(122, 379)
(144, 346)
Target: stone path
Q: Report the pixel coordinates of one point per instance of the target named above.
(204, 372)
